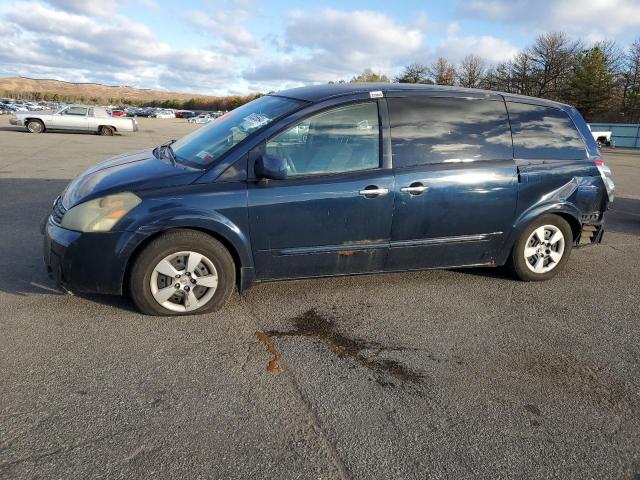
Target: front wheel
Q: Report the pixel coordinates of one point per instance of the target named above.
(35, 126)
(542, 249)
(182, 272)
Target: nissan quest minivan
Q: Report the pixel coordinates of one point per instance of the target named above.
(334, 180)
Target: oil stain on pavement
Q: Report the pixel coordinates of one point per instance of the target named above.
(312, 324)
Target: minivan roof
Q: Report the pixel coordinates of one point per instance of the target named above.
(317, 93)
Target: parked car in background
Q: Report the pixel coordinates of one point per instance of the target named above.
(81, 118)
(118, 113)
(200, 119)
(185, 114)
(334, 180)
(163, 114)
(602, 137)
(142, 112)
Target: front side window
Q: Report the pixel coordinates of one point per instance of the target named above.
(79, 111)
(209, 143)
(541, 132)
(343, 139)
(426, 130)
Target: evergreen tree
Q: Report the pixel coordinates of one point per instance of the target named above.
(591, 83)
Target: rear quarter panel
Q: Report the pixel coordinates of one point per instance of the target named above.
(571, 188)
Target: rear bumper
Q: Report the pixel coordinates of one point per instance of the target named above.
(591, 234)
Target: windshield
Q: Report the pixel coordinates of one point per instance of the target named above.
(210, 142)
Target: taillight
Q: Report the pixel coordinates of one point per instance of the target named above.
(605, 173)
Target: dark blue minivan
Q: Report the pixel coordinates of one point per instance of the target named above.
(334, 180)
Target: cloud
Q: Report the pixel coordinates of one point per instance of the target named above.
(355, 32)
(89, 7)
(330, 44)
(490, 49)
(226, 27)
(77, 47)
(580, 17)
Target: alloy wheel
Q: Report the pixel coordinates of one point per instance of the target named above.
(544, 249)
(184, 281)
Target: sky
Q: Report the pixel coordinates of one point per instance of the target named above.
(236, 47)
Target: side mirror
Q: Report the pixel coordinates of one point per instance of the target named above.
(273, 168)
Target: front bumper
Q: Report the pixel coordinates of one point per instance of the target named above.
(87, 262)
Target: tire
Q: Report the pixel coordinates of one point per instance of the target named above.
(191, 293)
(106, 131)
(35, 126)
(542, 260)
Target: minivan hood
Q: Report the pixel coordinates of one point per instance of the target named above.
(130, 172)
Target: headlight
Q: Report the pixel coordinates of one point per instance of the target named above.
(99, 214)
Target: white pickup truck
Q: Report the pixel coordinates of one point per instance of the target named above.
(77, 118)
(603, 137)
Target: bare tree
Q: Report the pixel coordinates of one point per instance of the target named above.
(442, 72)
(414, 73)
(369, 76)
(522, 74)
(551, 59)
(471, 72)
(603, 81)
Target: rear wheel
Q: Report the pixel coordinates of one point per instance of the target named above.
(542, 249)
(35, 126)
(106, 131)
(182, 272)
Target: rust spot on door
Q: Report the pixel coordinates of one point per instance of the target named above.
(272, 366)
(346, 252)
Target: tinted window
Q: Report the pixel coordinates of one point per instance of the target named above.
(544, 132)
(448, 129)
(339, 140)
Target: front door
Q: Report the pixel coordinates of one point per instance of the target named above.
(332, 215)
(73, 118)
(456, 181)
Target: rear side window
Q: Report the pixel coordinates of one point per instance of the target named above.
(544, 133)
(428, 130)
(80, 111)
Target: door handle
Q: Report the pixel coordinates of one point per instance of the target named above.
(416, 188)
(373, 191)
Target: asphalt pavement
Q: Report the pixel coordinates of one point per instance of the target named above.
(438, 374)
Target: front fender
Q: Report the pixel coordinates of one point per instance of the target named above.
(213, 222)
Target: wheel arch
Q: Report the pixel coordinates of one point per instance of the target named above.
(244, 269)
(105, 125)
(566, 211)
(35, 119)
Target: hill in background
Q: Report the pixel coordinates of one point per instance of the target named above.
(95, 93)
